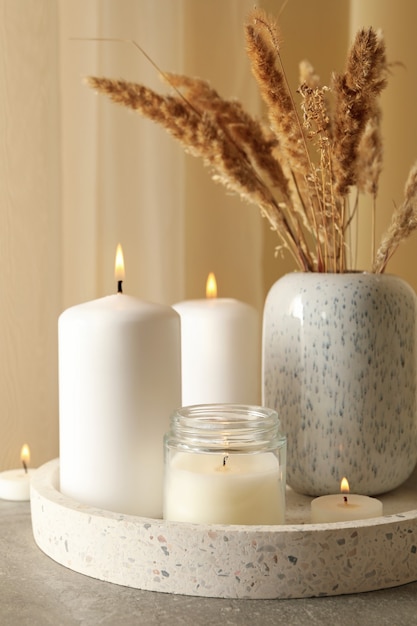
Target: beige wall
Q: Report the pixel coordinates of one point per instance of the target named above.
(29, 229)
(125, 179)
(222, 234)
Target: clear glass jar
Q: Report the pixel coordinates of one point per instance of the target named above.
(225, 464)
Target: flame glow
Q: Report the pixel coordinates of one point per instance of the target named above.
(211, 286)
(344, 485)
(119, 264)
(25, 454)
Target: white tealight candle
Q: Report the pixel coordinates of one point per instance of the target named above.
(15, 483)
(220, 350)
(119, 381)
(344, 507)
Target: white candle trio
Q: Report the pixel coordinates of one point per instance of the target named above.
(120, 380)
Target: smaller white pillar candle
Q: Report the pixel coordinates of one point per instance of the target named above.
(344, 507)
(15, 483)
(220, 350)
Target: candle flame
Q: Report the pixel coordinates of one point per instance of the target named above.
(211, 286)
(25, 454)
(344, 485)
(119, 264)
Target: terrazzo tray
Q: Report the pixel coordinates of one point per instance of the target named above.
(295, 560)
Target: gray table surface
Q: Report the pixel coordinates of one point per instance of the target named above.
(37, 591)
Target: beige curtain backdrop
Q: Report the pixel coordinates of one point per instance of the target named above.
(124, 179)
(30, 236)
(79, 174)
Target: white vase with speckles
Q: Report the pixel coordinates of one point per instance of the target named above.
(340, 368)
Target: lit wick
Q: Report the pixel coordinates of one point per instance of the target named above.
(344, 488)
(25, 467)
(225, 459)
(119, 268)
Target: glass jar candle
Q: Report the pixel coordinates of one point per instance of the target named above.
(225, 464)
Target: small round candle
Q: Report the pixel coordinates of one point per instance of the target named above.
(15, 483)
(344, 507)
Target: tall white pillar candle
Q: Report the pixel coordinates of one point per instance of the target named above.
(119, 381)
(220, 350)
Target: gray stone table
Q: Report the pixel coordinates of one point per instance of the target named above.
(36, 591)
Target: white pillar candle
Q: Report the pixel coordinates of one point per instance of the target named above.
(344, 507)
(220, 350)
(15, 483)
(119, 381)
(246, 489)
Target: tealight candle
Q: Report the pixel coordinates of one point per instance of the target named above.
(220, 349)
(15, 483)
(225, 464)
(344, 507)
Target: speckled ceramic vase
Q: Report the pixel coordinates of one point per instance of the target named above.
(340, 368)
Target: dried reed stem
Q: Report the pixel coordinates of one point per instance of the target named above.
(263, 52)
(403, 223)
(355, 93)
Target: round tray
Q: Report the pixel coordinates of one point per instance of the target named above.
(295, 560)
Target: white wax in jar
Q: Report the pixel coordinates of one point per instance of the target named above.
(119, 381)
(247, 489)
(15, 484)
(343, 508)
(220, 355)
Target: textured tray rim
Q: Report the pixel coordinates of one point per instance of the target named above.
(288, 561)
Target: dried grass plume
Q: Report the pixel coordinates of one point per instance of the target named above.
(299, 166)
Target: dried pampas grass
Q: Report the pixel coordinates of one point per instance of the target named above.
(300, 166)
